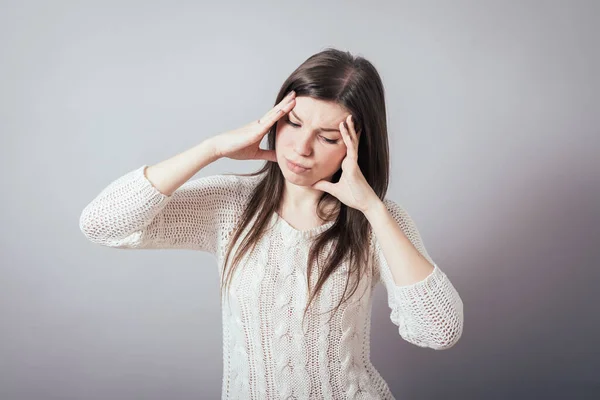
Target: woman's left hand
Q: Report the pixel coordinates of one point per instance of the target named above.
(352, 188)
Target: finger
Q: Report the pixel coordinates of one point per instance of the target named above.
(351, 150)
(282, 104)
(353, 129)
(325, 186)
(272, 118)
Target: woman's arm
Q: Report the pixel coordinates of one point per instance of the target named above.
(149, 207)
(425, 305)
(168, 175)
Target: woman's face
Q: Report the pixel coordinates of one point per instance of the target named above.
(309, 135)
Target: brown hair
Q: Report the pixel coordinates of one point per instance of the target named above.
(353, 83)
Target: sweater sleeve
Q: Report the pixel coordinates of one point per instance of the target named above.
(130, 213)
(428, 313)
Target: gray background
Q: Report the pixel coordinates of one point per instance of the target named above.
(493, 111)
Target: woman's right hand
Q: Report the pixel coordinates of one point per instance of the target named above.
(243, 143)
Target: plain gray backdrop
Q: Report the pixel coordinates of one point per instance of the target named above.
(493, 112)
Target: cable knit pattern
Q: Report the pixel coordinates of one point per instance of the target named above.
(267, 352)
(289, 339)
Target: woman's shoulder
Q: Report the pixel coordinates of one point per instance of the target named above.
(242, 181)
(230, 185)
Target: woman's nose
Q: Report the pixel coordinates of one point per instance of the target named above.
(303, 144)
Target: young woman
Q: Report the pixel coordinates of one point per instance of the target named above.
(301, 243)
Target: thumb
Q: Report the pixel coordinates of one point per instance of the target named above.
(268, 155)
(324, 186)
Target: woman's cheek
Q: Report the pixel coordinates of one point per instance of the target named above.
(334, 160)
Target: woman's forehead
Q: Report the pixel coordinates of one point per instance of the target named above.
(321, 110)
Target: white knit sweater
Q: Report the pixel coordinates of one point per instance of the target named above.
(266, 351)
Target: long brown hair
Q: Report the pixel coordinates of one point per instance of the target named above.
(353, 83)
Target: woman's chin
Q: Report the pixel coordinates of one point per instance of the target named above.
(293, 177)
(305, 179)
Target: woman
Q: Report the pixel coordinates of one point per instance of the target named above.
(305, 239)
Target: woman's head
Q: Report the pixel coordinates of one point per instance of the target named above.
(309, 135)
(329, 86)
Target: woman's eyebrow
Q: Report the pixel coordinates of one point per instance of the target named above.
(320, 129)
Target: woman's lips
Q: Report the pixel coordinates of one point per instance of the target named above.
(295, 168)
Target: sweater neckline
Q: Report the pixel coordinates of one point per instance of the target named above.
(292, 233)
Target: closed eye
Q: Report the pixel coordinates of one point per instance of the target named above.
(291, 123)
(331, 141)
